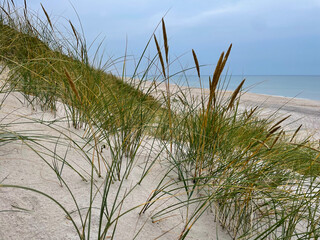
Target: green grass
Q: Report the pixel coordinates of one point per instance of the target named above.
(259, 181)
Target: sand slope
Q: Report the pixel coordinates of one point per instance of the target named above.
(27, 215)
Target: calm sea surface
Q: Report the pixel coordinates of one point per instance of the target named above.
(307, 87)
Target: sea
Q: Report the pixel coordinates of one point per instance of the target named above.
(293, 86)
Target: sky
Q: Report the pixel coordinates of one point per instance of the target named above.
(269, 37)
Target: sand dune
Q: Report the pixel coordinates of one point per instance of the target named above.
(27, 215)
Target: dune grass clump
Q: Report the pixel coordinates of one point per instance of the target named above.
(241, 166)
(258, 180)
(48, 67)
(44, 65)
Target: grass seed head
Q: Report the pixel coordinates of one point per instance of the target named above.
(196, 62)
(165, 40)
(235, 94)
(47, 16)
(295, 133)
(72, 85)
(160, 56)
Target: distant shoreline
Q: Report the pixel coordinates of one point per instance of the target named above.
(302, 111)
(197, 90)
(291, 86)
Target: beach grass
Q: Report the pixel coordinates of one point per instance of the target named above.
(259, 181)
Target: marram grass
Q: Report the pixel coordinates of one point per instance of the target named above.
(259, 181)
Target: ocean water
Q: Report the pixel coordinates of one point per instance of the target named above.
(307, 87)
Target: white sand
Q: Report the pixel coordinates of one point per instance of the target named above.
(20, 165)
(43, 219)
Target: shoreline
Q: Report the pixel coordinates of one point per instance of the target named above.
(22, 166)
(259, 97)
(275, 85)
(302, 111)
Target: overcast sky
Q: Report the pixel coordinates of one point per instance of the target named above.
(269, 37)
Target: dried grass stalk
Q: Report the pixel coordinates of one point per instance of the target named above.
(196, 62)
(272, 131)
(47, 16)
(75, 34)
(225, 58)
(72, 85)
(252, 111)
(165, 40)
(13, 3)
(295, 133)
(235, 94)
(276, 139)
(275, 125)
(160, 56)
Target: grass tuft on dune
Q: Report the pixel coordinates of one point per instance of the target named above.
(258, 180)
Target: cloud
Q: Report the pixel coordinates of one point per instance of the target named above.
(192, 20)
(208, 25)
(248, 19)
(242, 10)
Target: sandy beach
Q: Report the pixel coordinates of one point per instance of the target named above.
(301, 111)
(99, 141)
(28, 215)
